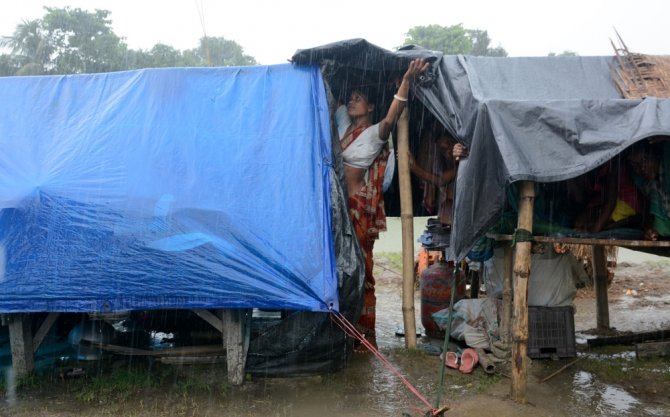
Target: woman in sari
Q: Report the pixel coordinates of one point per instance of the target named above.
(365, 152)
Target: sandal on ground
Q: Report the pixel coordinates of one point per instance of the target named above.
(469, 360)
(452, 360)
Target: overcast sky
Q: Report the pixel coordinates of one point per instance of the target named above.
(272, 30)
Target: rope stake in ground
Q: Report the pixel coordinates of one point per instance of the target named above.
(352, 332)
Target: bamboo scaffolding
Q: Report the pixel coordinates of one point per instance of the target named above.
(640, 75)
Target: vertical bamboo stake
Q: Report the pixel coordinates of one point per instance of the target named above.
(599, 261)
(407, 222)
(508, 271)
(521, 273)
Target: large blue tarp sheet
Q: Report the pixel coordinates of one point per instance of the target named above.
(166, 188)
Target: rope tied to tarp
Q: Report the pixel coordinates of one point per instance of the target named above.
(521, 235)
(352, 332)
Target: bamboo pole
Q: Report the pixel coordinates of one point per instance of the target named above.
(407, 222)
(521, 273)
(508, 306)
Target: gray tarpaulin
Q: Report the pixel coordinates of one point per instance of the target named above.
(541, 119)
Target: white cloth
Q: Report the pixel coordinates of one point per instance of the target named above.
(363, 151)
(552, 277)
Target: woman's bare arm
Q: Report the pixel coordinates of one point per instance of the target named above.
(416, 67)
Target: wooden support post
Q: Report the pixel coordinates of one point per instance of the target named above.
(508, 298)
(521, 273)
(21, 341)
(210, 318)
(600, 285)
(43, 330)
(236, 341)
(407, 223)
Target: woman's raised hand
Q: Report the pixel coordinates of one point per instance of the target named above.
(416, 67)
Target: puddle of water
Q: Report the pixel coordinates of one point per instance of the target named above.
(589, 396)
(605, 399)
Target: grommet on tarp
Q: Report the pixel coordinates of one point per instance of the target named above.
(521, 235)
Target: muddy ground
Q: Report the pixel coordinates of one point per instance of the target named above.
(604, 382)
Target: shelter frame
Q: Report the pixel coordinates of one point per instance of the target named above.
(515, 326)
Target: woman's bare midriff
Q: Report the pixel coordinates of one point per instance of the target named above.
(355, 179)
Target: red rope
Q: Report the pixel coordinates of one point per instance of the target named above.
(351, 330)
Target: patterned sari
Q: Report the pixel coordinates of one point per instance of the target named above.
(366, 210)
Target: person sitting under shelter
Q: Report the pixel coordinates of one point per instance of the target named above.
(614, 202)
(650, 162)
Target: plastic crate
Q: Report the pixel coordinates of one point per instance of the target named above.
(551, 332)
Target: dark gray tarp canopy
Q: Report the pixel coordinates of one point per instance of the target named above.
(540, 119)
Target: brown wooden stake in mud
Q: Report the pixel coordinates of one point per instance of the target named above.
(521, 274)
(407, 223)
(600, 285)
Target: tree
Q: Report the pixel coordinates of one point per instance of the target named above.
(8, 65)
(30, 48)
(564, 53)
(71, 41)
(218, 51)
(162, 55)
(453, 40)
(83, 42)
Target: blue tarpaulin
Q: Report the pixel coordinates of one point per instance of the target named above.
(166, 188)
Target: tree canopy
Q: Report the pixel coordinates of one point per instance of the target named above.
(453, 40)
(74, 41)
(564, 53)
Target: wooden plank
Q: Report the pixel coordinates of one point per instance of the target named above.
(43, 330)
(407, 224)
(192, 360)
(236, 341)
(210, 318)
(21, 341)
(522, 263)
(600, 285)
(588, 241)
(652, 350)
(204, 350)
(627, 339)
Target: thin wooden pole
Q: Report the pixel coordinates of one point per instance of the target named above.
(600, 283)
(508, 298)
(407, 223)
(521, 273)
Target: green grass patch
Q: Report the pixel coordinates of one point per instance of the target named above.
(394, 259)
(118, 385)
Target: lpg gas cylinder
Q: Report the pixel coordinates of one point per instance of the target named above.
(436, 282)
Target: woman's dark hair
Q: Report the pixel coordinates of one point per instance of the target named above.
(369, 91)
